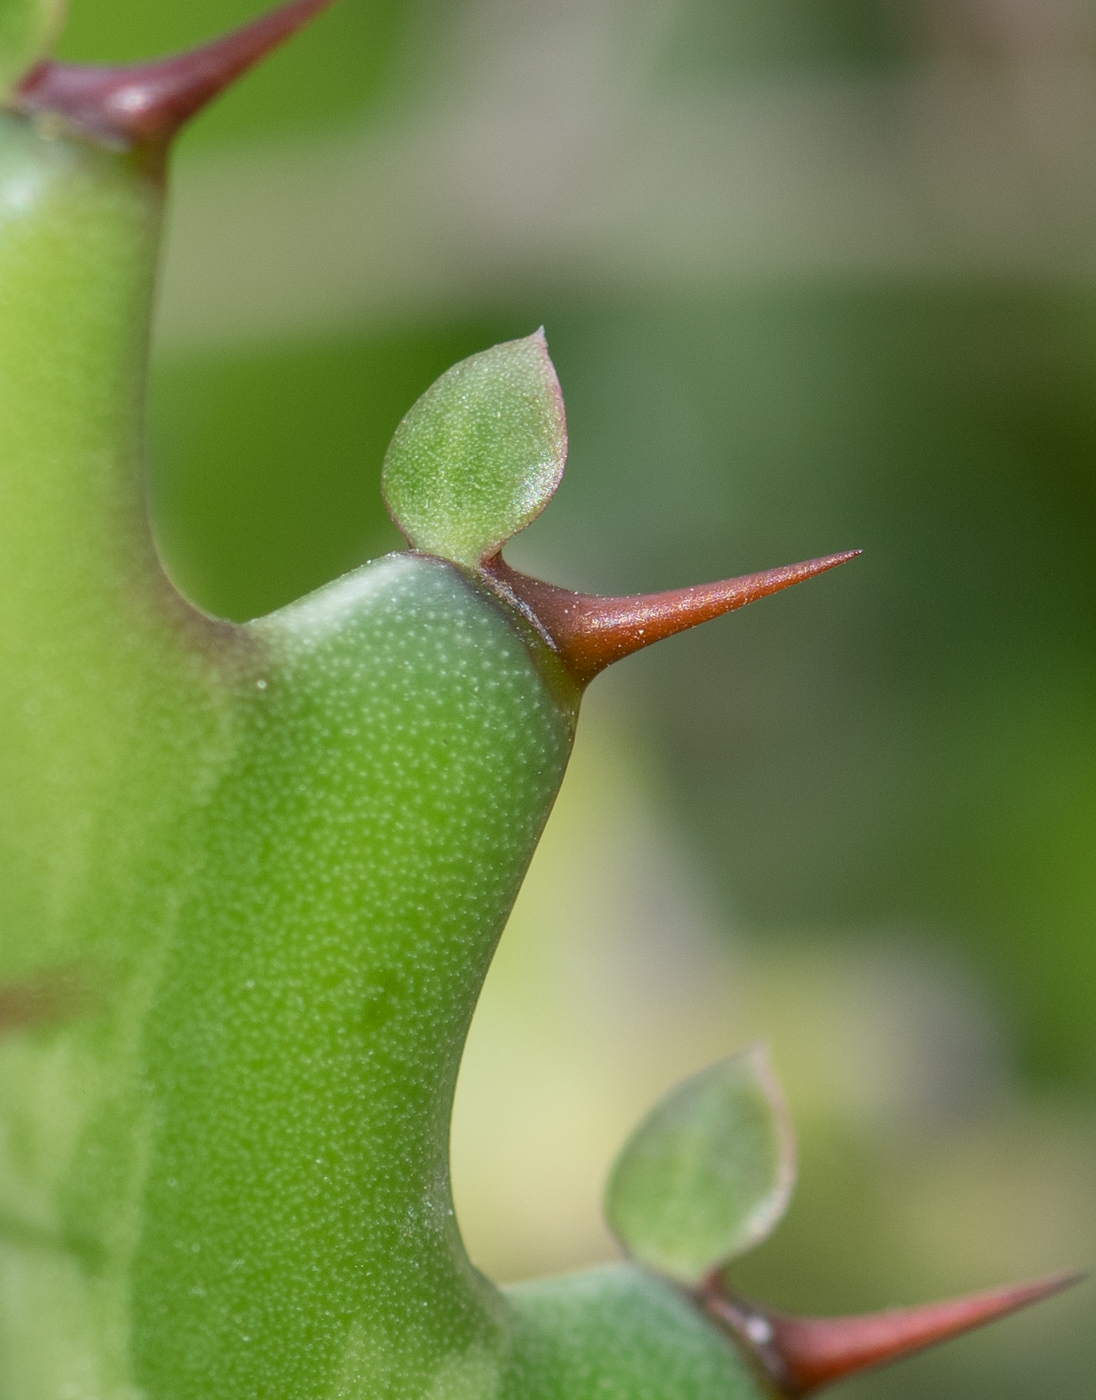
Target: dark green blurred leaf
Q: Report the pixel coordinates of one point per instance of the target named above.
(716, 40)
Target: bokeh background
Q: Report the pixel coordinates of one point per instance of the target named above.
(816, 274)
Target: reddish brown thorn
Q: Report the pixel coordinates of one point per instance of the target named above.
(802, 1354)
(591, 633)
(42, 1000)
(145, 104)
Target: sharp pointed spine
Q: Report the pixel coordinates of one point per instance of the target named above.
(804, 1354)
(145, 104)
(592, 632)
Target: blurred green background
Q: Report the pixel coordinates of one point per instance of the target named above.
(815, 274)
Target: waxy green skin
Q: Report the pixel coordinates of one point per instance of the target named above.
(251, 877)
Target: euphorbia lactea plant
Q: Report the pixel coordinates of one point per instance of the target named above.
(252, 877)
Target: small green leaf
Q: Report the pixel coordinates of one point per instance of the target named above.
(708, 1173)
(28, 30)
(480, 454)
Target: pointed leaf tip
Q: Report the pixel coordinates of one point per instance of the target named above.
(28, 30)
(480, 454)
(708, 1174)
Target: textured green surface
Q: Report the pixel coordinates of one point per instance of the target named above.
(621, 1334)
(708, 1173)
(252, 878)
(479, 455)
(397, 754)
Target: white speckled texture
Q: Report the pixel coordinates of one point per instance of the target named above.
(479, 455)
(622, 1334)
(399, 756)
(252, 878)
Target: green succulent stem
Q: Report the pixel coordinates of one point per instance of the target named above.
(264, 869)
(306, 1042)
(253, 875)
(268, 1045)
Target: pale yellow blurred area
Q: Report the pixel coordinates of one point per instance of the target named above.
(615, 979)
(609, 986)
